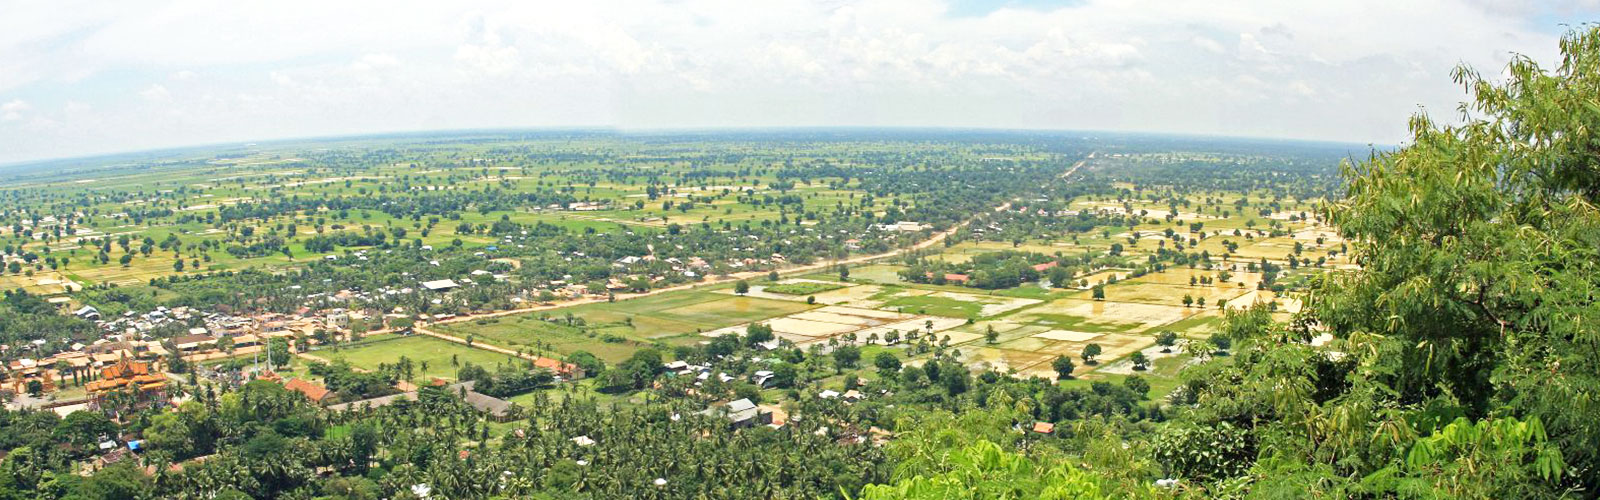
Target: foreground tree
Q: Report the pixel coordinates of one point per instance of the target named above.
(1466, 338)
(1480, 245)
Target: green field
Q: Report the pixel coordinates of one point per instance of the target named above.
(937, 306)
(442, 357)
(802, 288)
(529, 333)
(671, 314)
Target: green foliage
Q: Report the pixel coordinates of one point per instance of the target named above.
(1480, 247)
(1496, 458)
(1205, 452)
(984, 471)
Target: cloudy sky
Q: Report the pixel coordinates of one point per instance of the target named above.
(80, 78)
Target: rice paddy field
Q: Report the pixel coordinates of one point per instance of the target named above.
(1032, 324)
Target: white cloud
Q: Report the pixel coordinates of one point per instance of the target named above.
(1331, 70)
(487, 59)
(1208, 44)
(156, 93)
(12, 110)
(372, 62)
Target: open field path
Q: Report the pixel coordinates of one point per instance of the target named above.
(476, 345)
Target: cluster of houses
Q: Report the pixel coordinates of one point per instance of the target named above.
(580, 206)
(129, 344)
(903, 226)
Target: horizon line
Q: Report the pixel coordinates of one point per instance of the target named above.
(625, 131)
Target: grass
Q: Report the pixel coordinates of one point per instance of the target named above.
(1162, 376)
(1194, 325)
(690, 311)
(1075, 323)
(529, 333)
(883, 274)
(937, 306)
(802, 288)
(442, 357)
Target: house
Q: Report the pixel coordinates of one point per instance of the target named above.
(568, 370)
(440, 285)
(193, 342)
(499, 410)
(1045, 266)
(1044, 427)
(762, 377)
(741, 413)
(87, 312)
(245, 340)
(955, 278)
(373, 403)
(313, 391)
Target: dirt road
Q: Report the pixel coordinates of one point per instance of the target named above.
(935, 239)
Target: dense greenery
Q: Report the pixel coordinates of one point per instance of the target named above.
(1456, 361)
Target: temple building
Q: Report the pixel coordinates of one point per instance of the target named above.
(135, 379)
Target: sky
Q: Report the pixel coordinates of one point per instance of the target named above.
(85, 78)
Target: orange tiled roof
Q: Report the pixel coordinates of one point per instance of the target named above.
(553, 365)
(126, 374)
(313, 391)
(125, 369)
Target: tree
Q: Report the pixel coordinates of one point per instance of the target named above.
(1453, 298)
(784, 375)
(887, 363)
(1140, 361)
(989, 335)
(278, 351)
(1138, 385)
(846, 356)
(1166, 339)
(1089, 352)
(757, 333)
(1098, 292)
(1063, 367)
(589, 363)
(741, 287)
(844, 272)
(1188, 300)
(772, 275)
(1221, 342)
(85, 429)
